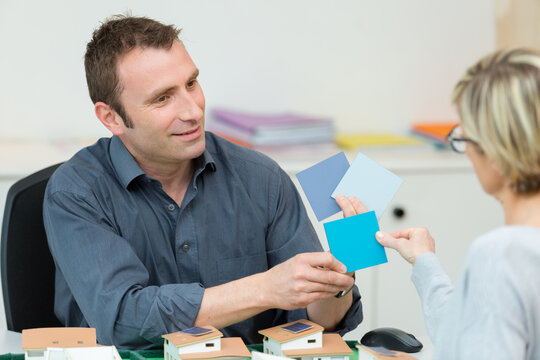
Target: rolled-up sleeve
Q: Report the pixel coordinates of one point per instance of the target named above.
(354, 316)
(107, 280)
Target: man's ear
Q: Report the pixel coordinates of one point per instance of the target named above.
(109, 118)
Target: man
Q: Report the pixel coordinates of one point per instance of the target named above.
(164, 226)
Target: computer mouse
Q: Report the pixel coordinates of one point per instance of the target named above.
(392, 339)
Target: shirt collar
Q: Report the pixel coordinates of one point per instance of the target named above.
(127, 168)
(123, 162)
(206, 160)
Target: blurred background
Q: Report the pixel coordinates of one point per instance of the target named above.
(371, 66)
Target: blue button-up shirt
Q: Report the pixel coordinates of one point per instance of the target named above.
(134, 264)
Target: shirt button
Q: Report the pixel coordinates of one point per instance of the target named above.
(171, 207)
(185, 247)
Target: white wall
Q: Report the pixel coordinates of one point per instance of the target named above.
(372, 65)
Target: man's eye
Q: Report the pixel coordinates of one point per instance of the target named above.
(162, 98)
(191, 84)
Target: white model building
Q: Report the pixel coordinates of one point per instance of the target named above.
(183, 346)
(63, 343)
(308, 344)
(83, 353)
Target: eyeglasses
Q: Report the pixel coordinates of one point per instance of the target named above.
(457, 141)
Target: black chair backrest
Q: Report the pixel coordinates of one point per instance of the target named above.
(27, 265)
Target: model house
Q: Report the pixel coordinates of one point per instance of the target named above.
(255, 355)
(65, 343)
(304, 340)
(205, 344)
(83, 353)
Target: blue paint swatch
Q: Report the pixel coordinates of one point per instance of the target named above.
(352, 241)
(320, 180)
(370, 182)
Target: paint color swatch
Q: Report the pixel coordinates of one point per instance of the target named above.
(320, 180)
(370, 182)
(352, 241)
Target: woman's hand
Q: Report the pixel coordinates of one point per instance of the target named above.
(410, 243)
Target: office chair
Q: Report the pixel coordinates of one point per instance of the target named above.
(27, 266)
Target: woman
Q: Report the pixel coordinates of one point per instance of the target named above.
(494, 310)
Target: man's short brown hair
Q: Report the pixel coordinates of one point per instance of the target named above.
(114, 38)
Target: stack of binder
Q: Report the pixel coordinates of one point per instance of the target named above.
(256, 130)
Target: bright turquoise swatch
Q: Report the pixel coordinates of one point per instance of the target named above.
(352, 241)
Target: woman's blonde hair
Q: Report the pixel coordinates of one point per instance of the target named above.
(498, 100)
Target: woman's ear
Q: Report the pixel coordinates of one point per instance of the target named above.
(495, 166)
(109, 118)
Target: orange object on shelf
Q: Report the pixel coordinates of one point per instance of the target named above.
(434, 130)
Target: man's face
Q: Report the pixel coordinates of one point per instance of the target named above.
(163, 99)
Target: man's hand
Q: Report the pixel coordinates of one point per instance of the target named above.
(350, 205)
(410, 243)
(304, 279)
(308, 280)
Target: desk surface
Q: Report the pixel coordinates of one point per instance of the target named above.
(10, 342)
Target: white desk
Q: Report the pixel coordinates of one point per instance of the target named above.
(427, 351)
(10, 342)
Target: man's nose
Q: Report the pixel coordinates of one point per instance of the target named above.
(189, 109)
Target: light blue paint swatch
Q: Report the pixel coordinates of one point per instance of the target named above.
(352, 241)
(371, 183)
(320, 180)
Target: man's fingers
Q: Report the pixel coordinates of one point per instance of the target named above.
(324, 268)
(358, 206)
(350, 205)
(346, 205)
(323, 260)
(331, 278)
(315, 286)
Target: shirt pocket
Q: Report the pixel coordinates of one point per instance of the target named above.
(239, 267)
